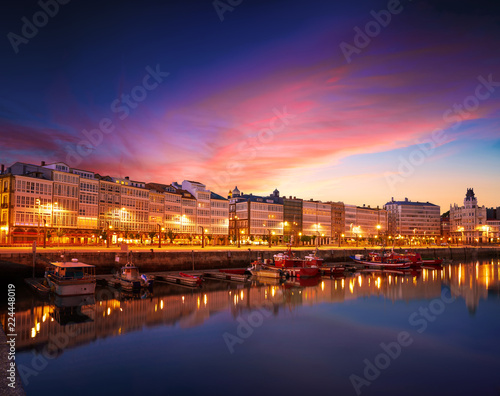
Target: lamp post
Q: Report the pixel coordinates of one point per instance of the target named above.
(159, 236)
(38, 201)
(237, 229)
(203, 236)
(44, 233)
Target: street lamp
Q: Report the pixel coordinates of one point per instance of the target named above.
(202, 236)
(38, 202)
(159, 235)
(378, 230)
(237, 228)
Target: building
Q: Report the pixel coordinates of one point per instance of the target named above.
(371, 222)
(317, 221)
(254, 218)
(292, 217)
(213, 210)
(445, 228)
(350, 221)
(59, 204)
(338, 221)
(417, 220)
(468, 222)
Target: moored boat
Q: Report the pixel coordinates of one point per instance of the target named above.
(71, 278)
(196, 279)
(381, 262)
(295, 266)
(130, 279)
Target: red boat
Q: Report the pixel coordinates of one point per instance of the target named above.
(197, 279)
(381, 261)
(416, 259)
(294, 265)
(312, 259)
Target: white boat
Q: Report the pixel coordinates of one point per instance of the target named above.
(261, 270)
(71, 278)
(129, 278)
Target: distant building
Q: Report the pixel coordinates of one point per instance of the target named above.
(253, 217)
(445, 228)
(317, 220)
(413, 219)
(292, 216)
(468, 222)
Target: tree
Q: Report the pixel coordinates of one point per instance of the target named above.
(151, 235)
(171, 235)
(209, 237)
(190, 239)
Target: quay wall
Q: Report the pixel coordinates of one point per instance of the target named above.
(21, 264)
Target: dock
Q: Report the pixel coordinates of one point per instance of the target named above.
(38, 285)
(176, 278)
(226, 276)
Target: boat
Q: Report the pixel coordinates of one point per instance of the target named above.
(295, 266)
(196, 279)
(415, 258)
(71, 278)
(129, 279)
(260, 269)
(312, 259)
(381, 261)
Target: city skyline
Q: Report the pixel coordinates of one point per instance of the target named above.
(261, 96)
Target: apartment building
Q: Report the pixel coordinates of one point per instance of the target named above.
(413, 219)
(468, 223)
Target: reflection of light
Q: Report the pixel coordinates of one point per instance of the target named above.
(272, 291)
(359, 280)
(351, 286)
(390, 279)
(205, 299)
(161, 304)
(156, 307)
(343, 283)
(33, 332)
(44, 317)
(183, 299)
(38, 324)
(378, 283)
(477, 270)
(241, 294)
(335, 285)
(198, 302)
(322, 286)
(109, 311)
(459, 274)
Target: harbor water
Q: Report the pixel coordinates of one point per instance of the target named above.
(429, 332)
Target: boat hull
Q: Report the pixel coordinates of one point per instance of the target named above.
(382, 264)
(71, 288)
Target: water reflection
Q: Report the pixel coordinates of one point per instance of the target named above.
(111, 313)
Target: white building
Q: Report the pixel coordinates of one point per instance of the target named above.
(468, 222)
(317, 220)
(413, 219)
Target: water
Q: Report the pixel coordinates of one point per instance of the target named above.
(429, 332)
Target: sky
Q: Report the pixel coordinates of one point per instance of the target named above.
(327, 100)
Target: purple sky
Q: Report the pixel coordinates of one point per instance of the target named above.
(263, 99)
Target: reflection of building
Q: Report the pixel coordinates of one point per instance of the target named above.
(468, 222)
(112, 315)
(413, 219)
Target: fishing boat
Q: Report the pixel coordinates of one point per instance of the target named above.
(295, 266)
(260, 269)
(381, 261)
(416, 259)
(312, 259)
(71, 278)
(130, 279)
